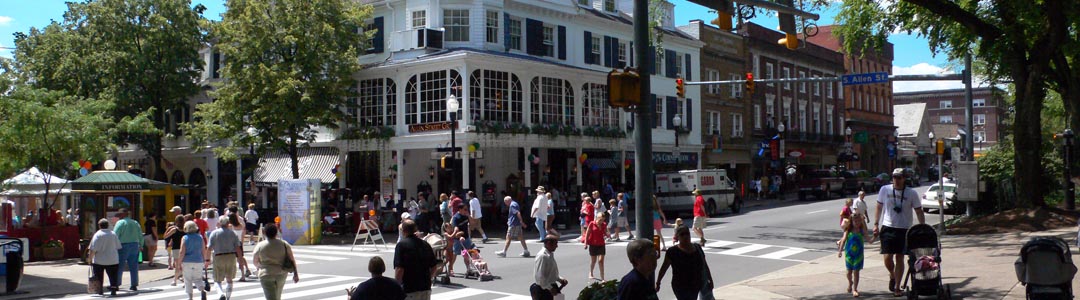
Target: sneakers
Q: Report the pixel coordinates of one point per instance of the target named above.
(484, 241)
(631, 238)
(525, 254)
(501, 253)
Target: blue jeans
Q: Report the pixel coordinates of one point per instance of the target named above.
(129, 259)
(540, 228)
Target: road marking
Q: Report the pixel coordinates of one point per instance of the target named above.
(783, 253)
(253, 288)
(715, 227)
(458, 294)
(752, 256)
(318, 257)
(251, 258)
(719, 244)
(817, 211)
(745, 249)
(357, 254)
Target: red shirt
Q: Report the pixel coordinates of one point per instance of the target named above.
(596, 234)
(454, 204)
(589, 211)
(202, 226)
(699, 206)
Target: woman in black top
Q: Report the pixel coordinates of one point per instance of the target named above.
(689, 270)
(150, 238)
(173, 236)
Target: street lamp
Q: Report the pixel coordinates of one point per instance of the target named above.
(252, 133)
(677, 122)
(780, 128)
(848, 148)
(452, 106)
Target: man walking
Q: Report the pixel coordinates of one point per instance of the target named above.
(701, 216)
(620, 219)
(251, 223)
(540, 211)
(131, 238)
(225, 245)
(898, 203)
(414, 264)
(475, 213)
(638, 284)
(547, 281)
(514, 228)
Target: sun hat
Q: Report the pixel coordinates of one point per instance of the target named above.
(541, 189)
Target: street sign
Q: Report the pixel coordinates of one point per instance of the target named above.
(892, 150)
(865, 78)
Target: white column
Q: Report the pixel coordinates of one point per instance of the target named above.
(343, 159)
(212, 179)
(400, 161)
(621, 163)
(465, 167)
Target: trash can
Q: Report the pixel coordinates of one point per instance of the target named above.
(13, 252)
(561, 217)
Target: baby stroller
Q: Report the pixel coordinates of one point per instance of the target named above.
(924, 259)
(475, 265)
(1045, 266)
(438, 245)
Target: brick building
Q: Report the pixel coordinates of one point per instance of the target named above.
(947, 107)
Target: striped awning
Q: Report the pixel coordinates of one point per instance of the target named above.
(602, 163)
(314, 163)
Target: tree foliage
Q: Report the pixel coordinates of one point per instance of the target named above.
(1031, 44)
(288, 66)
(142, 55)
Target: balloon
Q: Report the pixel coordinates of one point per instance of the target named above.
(86, 164)
(595, 168)
(110, 165)
(472, 148)
(83, 172)
(75, 165)
(536, 160)
(476, 145)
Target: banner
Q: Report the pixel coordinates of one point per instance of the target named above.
(300, 209)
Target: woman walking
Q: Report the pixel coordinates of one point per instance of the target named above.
(236, 223)
(690, 274)
(174, 235)
(194, 258)
(270, 258)
(587, 213)
(104, 255)
(595, 238)
(150, 238)
(658, 221)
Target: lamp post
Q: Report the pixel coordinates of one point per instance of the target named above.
(931, 136)
(452, 106)
(940, 149)
(677, 122)
(848, 148)
(252, 133)
(780, 128)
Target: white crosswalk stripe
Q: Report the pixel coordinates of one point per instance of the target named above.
(311, 286)
(744, 249)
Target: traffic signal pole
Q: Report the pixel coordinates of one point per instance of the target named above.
(643, 168)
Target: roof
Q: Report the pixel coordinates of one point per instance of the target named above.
(32, 182)
(457, 51)
(908, 118)
(313, 163)
(110, 181)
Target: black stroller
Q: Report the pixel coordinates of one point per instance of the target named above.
(1045, 266)
(924, 257)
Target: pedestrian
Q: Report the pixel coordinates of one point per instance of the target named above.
(701, 216)
(587, 213)
(594, 242)
(251, 223)
(174, 235)
(611, 224)
(514, 228)
(69, 219)
(638, 283)
(540, 211)
(859, 206)
(194, 258)
(203, 226)
(852, 248)
(445, 211)
(475, 215)
(270, 258)
(845, 214)
(620, 217)
(131, 239)
(423, 219)
(547, 282)
(104, 255)
(550, 224)
(150, 238)
(414, 264)
(658, 221)
(894, 210)
(226, 246)
(599, 205)
(690, 275)
(379, 287)
(236, 224)
(459, 234)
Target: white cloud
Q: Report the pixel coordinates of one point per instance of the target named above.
(926, 69)
(5, 21)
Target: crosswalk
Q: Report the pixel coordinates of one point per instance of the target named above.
(763, 251)
(311, 286)
(322, 253)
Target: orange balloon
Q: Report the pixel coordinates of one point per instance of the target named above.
(371, 212)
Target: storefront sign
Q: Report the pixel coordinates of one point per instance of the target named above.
(430, 127)
(664, 158)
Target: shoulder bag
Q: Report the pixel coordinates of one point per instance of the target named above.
(288, 264)
(706, 289)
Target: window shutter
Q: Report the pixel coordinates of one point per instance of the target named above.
(534, 37)
(377, 42)
(688, 119)
(670, 110)
(607, 51)
(688, 64)
(632, 62)
(562, 42)
(669, 63)
(615, 55)
(506, 31)
(588, 48)
(651, 61)
(656, 116)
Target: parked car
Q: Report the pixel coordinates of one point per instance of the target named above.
(911, 178)
(932, 173)
(820, 183)
(859, 180)
(929, 199)
(882, 179)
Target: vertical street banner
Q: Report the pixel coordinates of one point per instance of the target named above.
(300, 209)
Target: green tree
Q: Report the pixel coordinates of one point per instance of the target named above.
(50, 130)
(1031, 44)
(288, 69)
(143, 55)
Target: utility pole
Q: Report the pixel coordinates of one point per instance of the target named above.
(643, 170)
(969, 139)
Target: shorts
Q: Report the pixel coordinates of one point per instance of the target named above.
(581, 220)
(657, 225)
(460, 245)
(252, 228)
(474, 223)
(513, 232)
(893, 240)
(148, 239)
(224, 267)
(623, 222)
(597, 250)
(699, 222)
(175, 253)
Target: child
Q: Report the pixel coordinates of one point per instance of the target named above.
(478, 262)
(613, 211)
(678, 222)
(845, 213)
(852, 246)
(594, 242)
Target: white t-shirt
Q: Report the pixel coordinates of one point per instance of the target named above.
(599, 206)
(474, 208)
(540, 208)
(251, 216)
(859, 206)
(890, 200)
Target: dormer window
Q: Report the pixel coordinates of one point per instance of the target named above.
(419, 19)
(456, 22)
(609, 6)
(549, 41)
(492, 25)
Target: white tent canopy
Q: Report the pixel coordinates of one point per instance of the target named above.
(32, 182)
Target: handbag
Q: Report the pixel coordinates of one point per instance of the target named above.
(288, 265)
(706, 289)
(94, 284)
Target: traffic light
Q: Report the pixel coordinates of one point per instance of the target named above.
(680, 87)
(787, 25)
(442, 161)
(723, 20)
(790, 40)
(624, 88)
(750, 83)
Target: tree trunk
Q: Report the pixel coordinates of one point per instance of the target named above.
(293, 154)
(1030, 93)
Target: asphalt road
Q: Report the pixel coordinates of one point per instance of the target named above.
(757, 241)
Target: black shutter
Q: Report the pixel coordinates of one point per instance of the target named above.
(670, 110)
(216, 60)
(688, 119)
(588, 48)
(615, 56)
(651, 61)
(687, 72)
(669, 63)
(506, 31)
(562, 42)
(378, 40)
(534, 37)
(607, 51)
(656, 116)
(632, 62)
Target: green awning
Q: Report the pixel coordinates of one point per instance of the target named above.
(110, 181)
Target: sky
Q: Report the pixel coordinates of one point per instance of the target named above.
(912, 54)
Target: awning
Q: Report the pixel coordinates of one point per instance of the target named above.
(314, 163)
(110, 181)
(32, 182)
(602, 163)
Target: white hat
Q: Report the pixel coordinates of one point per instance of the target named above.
(406, 215)
(176, 209)
(898, 172)
(541, 189)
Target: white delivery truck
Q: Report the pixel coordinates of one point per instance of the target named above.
(674, 190)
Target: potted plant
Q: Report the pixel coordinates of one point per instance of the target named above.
(52, 249)
(600, 291)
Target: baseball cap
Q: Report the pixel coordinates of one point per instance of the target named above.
(898, 172)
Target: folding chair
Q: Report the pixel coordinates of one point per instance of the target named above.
(371, 234)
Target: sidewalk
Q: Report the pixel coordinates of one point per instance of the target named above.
(62, 278)
(974, 266)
